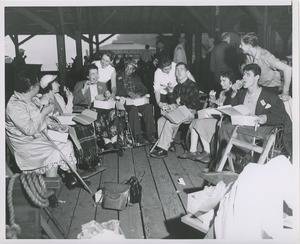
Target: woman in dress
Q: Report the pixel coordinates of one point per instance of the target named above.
(82, 134)
(25, 122)
(204, 128)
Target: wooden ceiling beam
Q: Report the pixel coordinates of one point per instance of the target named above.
(26, 39)
(254, 13)
(36, 19)
(199, 18)
(105, 39)
(97, 29)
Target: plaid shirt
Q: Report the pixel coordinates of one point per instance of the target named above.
(188, 93)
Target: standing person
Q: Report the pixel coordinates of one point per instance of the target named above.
(130, 85)
(218, 59)
(179, 51)
(185, 93)
(160, 52)
(269, 64)
(208, 76)
(24, 123)
(19, 60)
(107, 73)
(146, 55)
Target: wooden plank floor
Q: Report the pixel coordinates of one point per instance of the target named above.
(163, 202)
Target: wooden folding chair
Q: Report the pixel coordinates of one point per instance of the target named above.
(263, 150)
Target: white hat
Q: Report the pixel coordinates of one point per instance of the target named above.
(21, 50)
(46, 79)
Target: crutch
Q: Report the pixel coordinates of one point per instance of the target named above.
(155, 144)
(67, 162)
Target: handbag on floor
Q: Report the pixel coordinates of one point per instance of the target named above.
(116, 195)
(135, 189)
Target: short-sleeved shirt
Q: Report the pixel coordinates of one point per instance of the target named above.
(162, 79)
(104, 74)
(270, 76)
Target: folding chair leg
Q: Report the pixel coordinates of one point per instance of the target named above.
(265, 153)
(227, 151)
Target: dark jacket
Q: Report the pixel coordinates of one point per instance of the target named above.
(188, 93)
(276, 113)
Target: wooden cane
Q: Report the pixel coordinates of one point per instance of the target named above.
(67, 162)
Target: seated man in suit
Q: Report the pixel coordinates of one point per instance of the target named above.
(266, 105)
(185, 93)
(129, 85)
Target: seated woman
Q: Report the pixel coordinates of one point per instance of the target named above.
(83, 133)
(108, 126)
(206, 132)
(24, 123)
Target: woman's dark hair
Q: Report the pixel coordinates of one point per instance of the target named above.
(25, 80)
(48, 88)
(254, 68)
(91, 66)
(230, 75)
(108, 53)
(164, 61)
(250, 38)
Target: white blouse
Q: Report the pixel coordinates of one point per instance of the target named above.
(104, 74)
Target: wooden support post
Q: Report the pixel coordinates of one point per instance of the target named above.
(189, 48)
(265, 29)
(15, 40)
(61, 55)
(78, 51)
(217, 26)
(198, 52)
(91, 44)
(97, 43)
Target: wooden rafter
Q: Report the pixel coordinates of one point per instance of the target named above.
(40, 21)
(97, 29)
(199, 18)
(26, 39)
(105, 39)
(254, 13)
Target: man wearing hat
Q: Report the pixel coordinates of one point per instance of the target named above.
(179, 51)
(130, 85)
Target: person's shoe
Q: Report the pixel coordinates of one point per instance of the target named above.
(188, 155)
(70, 180)
(172, 147)
(140, 139)
(158, 153)
(152, 139)
(117, 145)
(53, 202)
(204, 157)
(108, 146)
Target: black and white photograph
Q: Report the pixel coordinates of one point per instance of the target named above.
(150, 120)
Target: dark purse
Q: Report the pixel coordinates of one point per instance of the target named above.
(115, 195)
(135, 189)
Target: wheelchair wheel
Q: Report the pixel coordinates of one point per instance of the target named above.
(278, 147)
